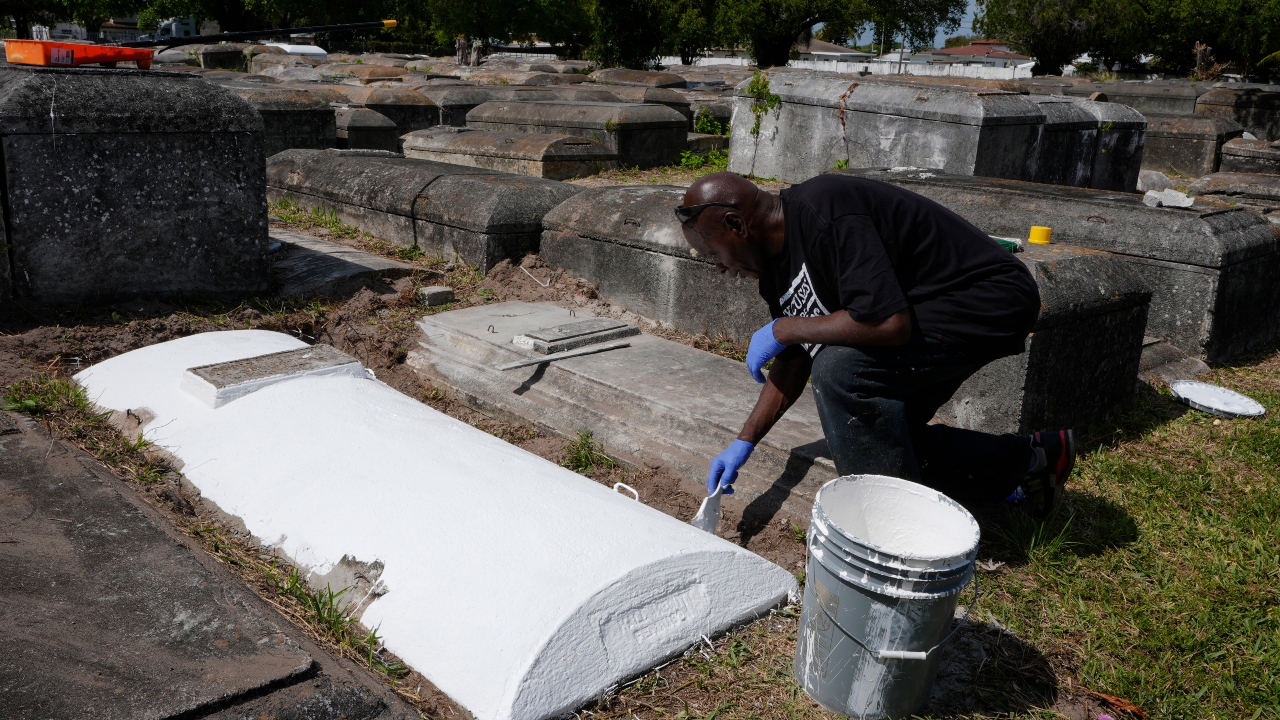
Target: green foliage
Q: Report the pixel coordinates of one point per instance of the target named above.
(43, 396)
(706, 124)
(958, 41)
(585, 454)
(842, 164)
(770, 28)
(714, 161)
(688, 28)
(762, 100)
(626, 33)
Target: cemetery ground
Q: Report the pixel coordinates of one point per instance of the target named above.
(1154, 592)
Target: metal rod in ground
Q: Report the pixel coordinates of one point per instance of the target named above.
(564, 355)
(248, 34)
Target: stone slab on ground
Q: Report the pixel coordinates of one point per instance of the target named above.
(119, 183)
(642, 135)
(1189, 145)
(825, 120)
(110, 614)
(1164, 363)
(626, 241)
(521, 589)
(1260, 190)
(550, 156)
(1214, 273)
(307, 265)
(657, 401)
(475, 214)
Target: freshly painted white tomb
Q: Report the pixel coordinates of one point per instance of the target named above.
(519, 588)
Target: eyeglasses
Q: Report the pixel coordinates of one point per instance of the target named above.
(685, 213)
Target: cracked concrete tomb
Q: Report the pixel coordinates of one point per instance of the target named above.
(1255, 107)
(555, 157)
(643, 135)
(626, 242)
(1189, 145)
(649, 402)
(475, 214)
(1214, 273)
(94, 213)
(517, 587)
(825, 121)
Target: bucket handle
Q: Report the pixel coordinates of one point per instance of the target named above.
(917, 654)
(635, 494)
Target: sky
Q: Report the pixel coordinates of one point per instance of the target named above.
(966, 28)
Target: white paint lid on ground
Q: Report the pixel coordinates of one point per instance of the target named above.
(1215, 400)
(521, 589)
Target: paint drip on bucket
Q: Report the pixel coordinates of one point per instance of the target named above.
(887, 561)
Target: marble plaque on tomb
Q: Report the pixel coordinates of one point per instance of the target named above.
(220, 383)
(572, 336)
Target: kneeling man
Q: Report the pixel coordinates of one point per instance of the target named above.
(888, 301)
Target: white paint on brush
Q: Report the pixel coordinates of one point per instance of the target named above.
(518, 587)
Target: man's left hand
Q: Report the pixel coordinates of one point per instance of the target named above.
(764, 347)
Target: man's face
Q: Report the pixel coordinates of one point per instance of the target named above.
(723, 241)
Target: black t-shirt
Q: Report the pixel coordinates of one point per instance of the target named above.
(875, 249)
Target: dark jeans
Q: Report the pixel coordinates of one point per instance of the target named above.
(876, 403)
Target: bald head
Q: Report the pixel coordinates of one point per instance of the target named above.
(721, 187)
(734, 224)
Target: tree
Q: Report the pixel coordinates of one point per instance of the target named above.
(1240, 32)
(689, 28)
(915, 21)
(626, 33)
(771, 28)
(1051, 31)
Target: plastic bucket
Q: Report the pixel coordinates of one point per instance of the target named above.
(887, 561)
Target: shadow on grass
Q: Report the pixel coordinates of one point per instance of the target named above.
(1085, 525)
(1147, 410)
(987, 670)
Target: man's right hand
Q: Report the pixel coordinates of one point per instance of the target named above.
(724, 469)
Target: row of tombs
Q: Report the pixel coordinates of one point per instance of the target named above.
(126, 183)
(1054, 131)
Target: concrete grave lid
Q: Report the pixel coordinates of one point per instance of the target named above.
(362, 118)
(1192, 126)
(1251, 185)
(592, 115)
(1062, 113)
(375, 96)
(521, 589)
(94, 101)
(282, 99)
(1104, 220)
(1252, 148)
(538, 147)
(623, 76)
(1112, 116)
(636, 216)
(926, 101)
(1244, 96)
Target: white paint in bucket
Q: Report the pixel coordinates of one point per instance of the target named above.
(899, 518)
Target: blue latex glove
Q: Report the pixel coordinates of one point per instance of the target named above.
(763, 348)
(724, 469)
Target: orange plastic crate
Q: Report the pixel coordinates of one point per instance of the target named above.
(56, 54)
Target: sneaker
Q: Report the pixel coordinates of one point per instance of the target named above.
(1055, 458)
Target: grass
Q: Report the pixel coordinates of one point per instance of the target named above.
(1156, 586)
(585, 454)
(713, 161)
